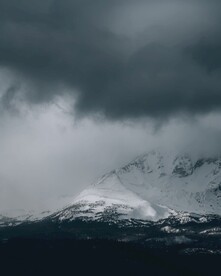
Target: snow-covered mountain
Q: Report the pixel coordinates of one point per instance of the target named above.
(152, 187)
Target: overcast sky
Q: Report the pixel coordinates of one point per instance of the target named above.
(86, 86)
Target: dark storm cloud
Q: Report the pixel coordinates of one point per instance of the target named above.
(156, 72)
(207, 53)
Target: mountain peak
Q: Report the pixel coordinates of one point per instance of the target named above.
(153, 186)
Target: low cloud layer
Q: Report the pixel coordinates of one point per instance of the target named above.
(47, 159)
(122, 59)
(133, 64)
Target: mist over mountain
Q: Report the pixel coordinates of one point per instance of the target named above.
(85, 87)
(154, 186)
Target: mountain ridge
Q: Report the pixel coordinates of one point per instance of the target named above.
(153, 186)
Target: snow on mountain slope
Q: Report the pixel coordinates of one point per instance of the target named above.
(17, 216)
(150, 187)
(13, 217)
(178, 182)
(108, 197)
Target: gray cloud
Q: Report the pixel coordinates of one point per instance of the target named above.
(207, 53)
(44, 156)
(167, 63)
